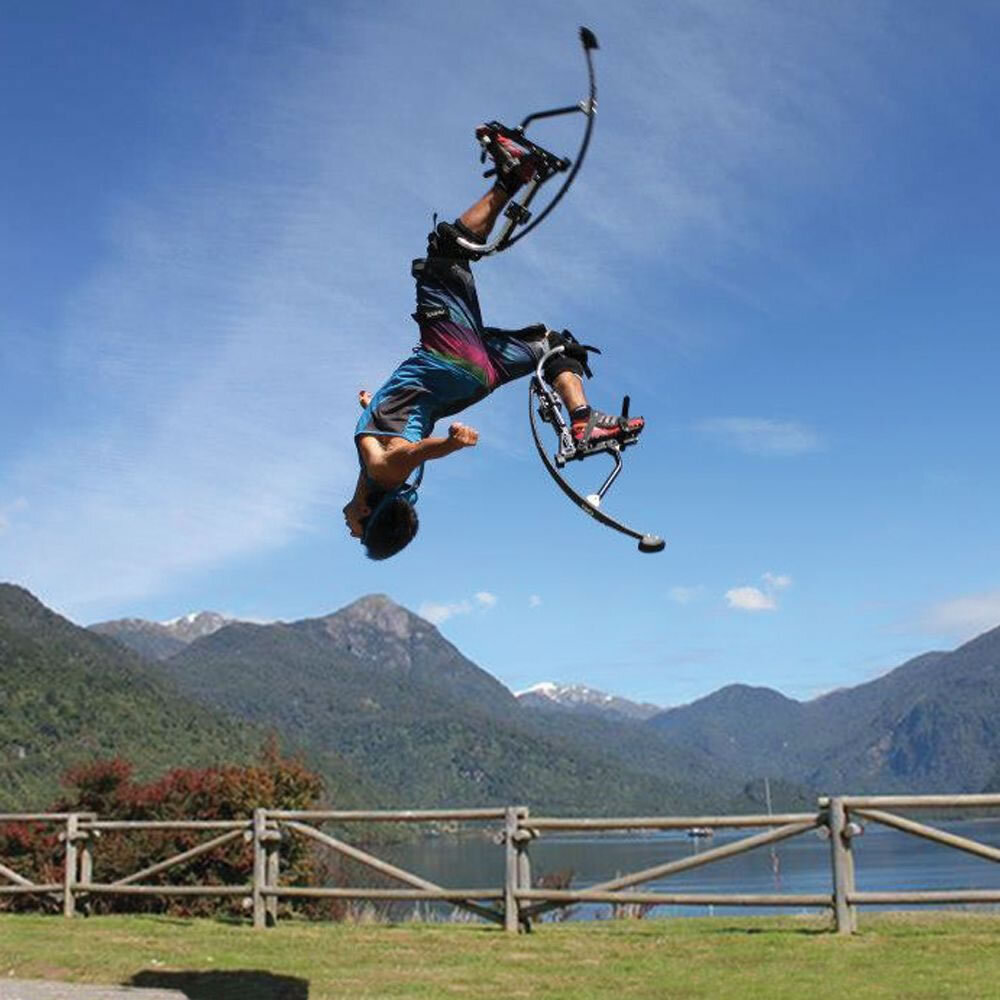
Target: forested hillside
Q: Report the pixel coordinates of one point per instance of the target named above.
(68, 696)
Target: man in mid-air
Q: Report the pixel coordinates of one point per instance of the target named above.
(458, 362)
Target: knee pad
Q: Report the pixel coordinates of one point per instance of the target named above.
(566, 361)
(443, 241)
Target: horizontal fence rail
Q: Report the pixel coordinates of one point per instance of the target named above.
(517, 902)
(612, 890)
(565, 824)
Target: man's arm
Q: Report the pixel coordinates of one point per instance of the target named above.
(391, 465)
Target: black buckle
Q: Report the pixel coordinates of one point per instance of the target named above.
(516, 211)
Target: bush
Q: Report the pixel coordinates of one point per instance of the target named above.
(107, 788)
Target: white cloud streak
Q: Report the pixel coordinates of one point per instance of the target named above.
(208, 359)
(439, 612)
(750, 599)
(685, 595)
(756, 599)
(964, 617)
(9, 511)
(761, 436)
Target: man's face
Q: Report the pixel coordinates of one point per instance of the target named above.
(354, 513)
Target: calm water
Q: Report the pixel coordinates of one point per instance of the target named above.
(885, 859)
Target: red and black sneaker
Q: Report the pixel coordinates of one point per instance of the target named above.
(515, 165)
(597, 426)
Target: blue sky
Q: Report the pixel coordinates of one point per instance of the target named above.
(784, 239)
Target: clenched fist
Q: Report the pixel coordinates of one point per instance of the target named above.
(461, 436)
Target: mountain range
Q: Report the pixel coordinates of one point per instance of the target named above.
(378, 629)
(391, 713)
(381, 687)
(930, 725)
(927, 725)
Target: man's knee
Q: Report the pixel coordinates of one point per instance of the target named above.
(567, 360)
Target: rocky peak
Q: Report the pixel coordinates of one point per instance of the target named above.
(387, 637)
(375, 628)
(380, 612)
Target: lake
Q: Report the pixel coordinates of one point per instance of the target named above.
(885, 859)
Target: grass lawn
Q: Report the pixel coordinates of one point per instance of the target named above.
(894, 956)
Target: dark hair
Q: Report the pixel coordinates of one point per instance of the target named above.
(390, 528)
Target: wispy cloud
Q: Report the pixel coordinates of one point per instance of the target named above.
(750, 599)
(534, 601)
(439, 612)
(9, 510)
(737, 114)
(685, 595)
(763, 598)
(964, 617)
(202, 366)
(761, 436)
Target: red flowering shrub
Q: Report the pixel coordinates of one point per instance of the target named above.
(229, 792)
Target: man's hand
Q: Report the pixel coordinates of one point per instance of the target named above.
(364, 398)
(460, 436)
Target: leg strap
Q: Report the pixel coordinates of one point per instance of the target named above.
(443, 241)
(574, 357)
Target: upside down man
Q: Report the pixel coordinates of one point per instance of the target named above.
(458, 362)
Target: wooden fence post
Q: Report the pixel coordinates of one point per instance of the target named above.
(71, 862)
(87, 858)
(851, 830)
(843, 867)
(511, 872)
(273, 872)
(259, 868)
(87, 862)
(523, 839)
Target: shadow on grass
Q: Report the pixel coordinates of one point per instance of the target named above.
(240, 984)
(784, 931)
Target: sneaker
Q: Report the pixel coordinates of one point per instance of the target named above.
(515, 165)
(602, 426)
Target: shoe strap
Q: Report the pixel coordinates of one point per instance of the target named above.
(592, 422)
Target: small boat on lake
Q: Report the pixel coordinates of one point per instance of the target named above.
(700, 832)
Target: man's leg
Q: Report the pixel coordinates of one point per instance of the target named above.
(586, 423)
(509, 355)
(518, 168)
(480, 218)
(569, 386)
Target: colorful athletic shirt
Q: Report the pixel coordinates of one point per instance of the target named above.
(458, 360)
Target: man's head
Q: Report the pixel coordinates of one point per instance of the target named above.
(386, 522)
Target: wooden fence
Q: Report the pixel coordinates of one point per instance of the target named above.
(516, 902)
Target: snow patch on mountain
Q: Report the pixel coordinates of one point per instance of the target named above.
(196, 625)
(160, 640)
(580, 698)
